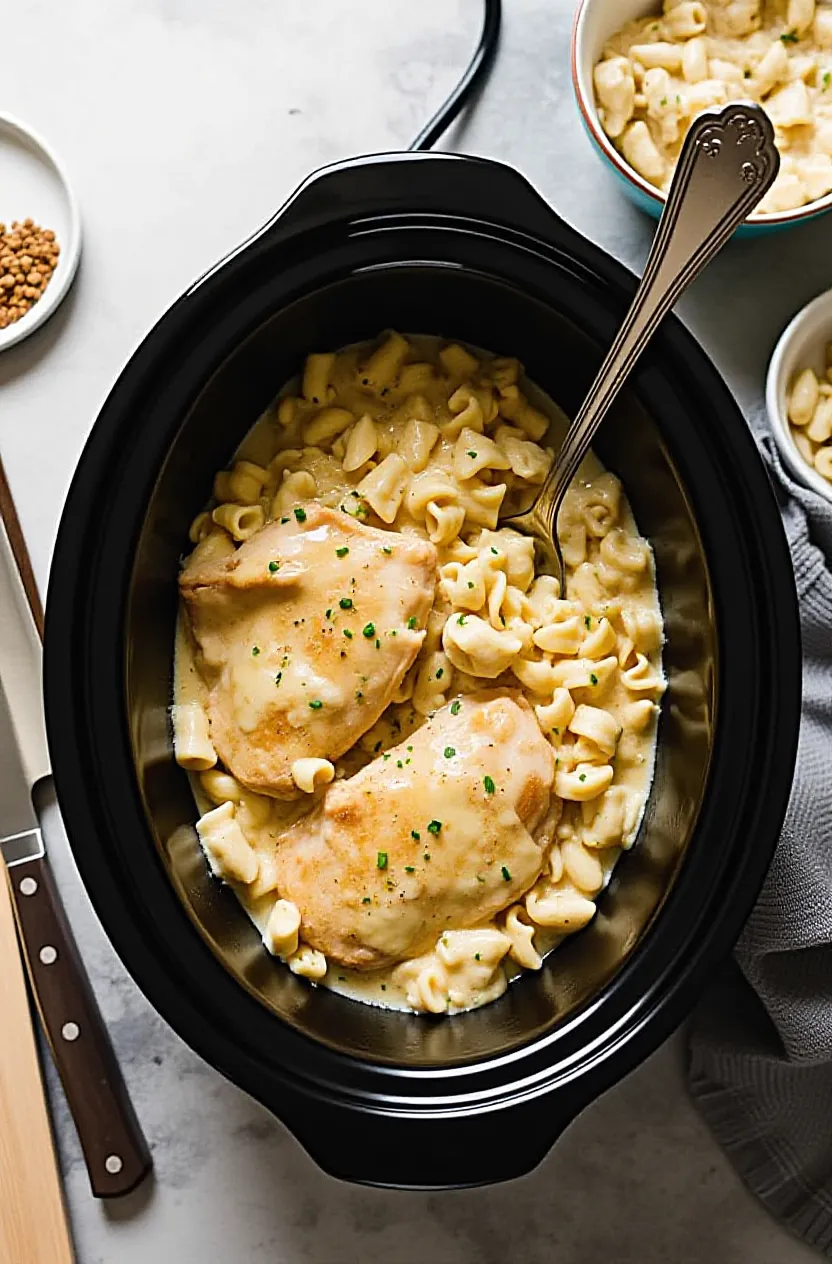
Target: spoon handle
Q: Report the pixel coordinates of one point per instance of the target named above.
(728, 161)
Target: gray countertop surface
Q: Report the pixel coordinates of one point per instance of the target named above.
(184, 124)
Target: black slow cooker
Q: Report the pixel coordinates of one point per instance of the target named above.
(466, 249)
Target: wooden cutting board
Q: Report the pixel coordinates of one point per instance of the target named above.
(33, 1221)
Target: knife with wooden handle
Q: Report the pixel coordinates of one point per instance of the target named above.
(33, 1223)
(114, 1148)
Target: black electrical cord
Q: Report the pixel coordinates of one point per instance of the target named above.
(474, 77)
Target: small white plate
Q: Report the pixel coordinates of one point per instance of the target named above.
(33, 184)
(802, 344)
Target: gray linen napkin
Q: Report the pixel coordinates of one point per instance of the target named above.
(760, 1041)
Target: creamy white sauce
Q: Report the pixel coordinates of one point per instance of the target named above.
(633, 766)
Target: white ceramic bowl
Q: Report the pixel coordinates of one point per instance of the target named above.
(595, 22)
(802, 344)
(33, 183)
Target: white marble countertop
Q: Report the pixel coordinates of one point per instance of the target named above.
(184, 124)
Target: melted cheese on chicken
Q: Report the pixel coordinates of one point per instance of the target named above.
(445, 830)
(304, 634)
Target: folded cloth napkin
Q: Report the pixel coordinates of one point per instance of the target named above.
(761, 1039)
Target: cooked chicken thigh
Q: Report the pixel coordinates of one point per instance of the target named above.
(443, 831)
(303, 636)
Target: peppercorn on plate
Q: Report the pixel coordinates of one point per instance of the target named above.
(40, 232)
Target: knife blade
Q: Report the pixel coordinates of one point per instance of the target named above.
(114, 1148)
(24, 755)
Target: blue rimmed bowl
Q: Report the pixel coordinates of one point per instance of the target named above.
(595, 22)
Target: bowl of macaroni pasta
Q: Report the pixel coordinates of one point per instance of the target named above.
(417, 848)
(799, 395)
(642, 71)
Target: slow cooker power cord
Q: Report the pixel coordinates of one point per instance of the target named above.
(473, 79)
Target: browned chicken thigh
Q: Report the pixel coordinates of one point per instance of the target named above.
(303, 635)
(443, 831)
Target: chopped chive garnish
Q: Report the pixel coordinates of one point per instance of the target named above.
(345, 603)
(593, 678)
(455, 707)
(300, 514)
(328, 613)
(381, 860)
(471, 454)
(410, 868)
(274, 566)
(366, 900)
(462, 618)
(488, 782)
(476, 956)
(440, 672)
(316, 704)
(789, 37)
(449, 752)
(434, 827)
(342, 552)
(415, 834)
(278, 678)
(411, 623)
(255, 649)
(348, 634)
(369, 630)
(582, 776)
(506, 875)
(378, 644)
(385, 548)
(588, 620)
(426, 856)
(470, 583)
(495, 551)
(399, 764)
(284, 520)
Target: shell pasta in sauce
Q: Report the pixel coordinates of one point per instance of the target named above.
(416, 761)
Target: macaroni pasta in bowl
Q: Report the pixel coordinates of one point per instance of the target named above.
(810, 416)
(657, 73)
(416, 760)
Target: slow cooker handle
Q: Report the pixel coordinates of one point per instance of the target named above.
(408, 183)
(429, 1151)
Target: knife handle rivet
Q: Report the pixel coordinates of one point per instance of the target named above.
(70, 1031)
(28, 886)
(113, 1164)
(48, 955)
